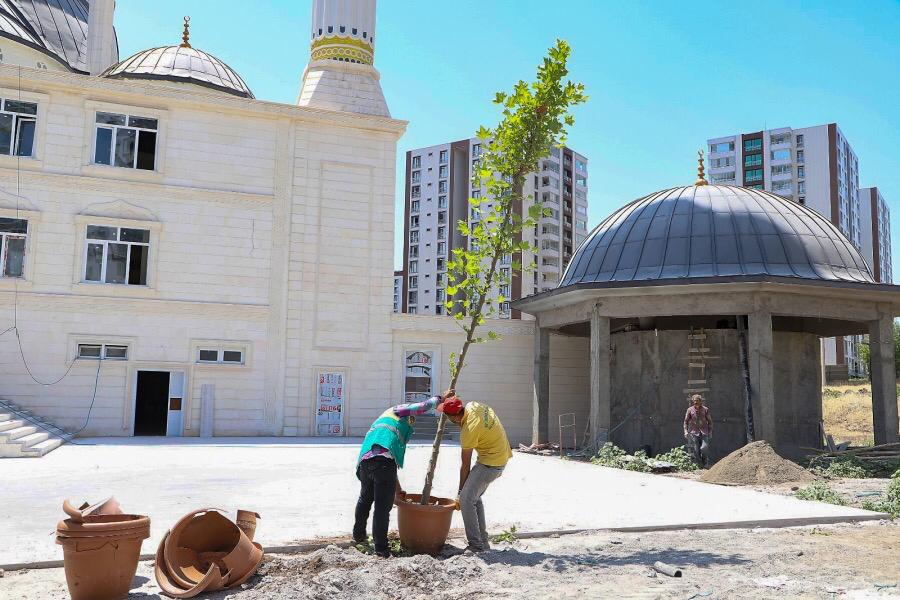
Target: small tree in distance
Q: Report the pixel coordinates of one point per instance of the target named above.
(535, 118)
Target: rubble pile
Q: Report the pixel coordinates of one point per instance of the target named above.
(756, 463)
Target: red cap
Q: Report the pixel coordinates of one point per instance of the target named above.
(450, 406)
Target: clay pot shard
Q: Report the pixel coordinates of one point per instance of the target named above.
(204, 552)
(246, 520)
(110, 506)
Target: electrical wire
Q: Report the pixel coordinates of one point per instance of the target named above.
(91, 407)
(28, 369)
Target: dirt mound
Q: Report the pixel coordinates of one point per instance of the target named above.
(756, 464)
(335, 574)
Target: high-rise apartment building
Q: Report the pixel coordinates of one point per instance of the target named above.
(398, 291)
(876, 233)
(438, 188)
(816, 167)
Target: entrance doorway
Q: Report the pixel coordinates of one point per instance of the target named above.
(151, 407)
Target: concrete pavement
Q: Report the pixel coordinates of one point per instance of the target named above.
(305, 488)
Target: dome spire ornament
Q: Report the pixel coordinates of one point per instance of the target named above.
(186, 35)
(701, 180)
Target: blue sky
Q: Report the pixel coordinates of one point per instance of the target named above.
(662, 76)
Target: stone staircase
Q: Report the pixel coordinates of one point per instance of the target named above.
(426, 427)
(24, 434)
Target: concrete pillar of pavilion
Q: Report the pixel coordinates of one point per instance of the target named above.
(884, 378)
(540, 415)
(601, 397)
(762, 375)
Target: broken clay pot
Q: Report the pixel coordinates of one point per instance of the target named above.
(424, 529)
(205, 552)
(246, 520)
(100, 551)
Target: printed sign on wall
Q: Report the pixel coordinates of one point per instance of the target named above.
(330, 403)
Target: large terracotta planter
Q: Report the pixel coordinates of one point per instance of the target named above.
(424, 529)
(101, 554)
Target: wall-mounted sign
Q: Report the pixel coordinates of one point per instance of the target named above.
(330, 394)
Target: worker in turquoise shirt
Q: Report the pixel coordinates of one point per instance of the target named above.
(376, 468)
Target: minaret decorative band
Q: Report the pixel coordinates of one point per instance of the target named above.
(343, 30)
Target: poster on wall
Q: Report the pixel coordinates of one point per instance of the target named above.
(330, 403)
(417, 382)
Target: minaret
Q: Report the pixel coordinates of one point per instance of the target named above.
(341, 74)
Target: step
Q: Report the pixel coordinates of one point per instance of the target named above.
(18, 432)
(5, 416)
(6, 425)
(35, 438)
(42, 448)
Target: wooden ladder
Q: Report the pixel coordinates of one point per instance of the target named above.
(697, 356)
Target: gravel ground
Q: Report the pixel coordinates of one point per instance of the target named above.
(839, 561)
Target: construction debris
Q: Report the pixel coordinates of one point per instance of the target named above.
(882, 452)
(540, 449)
(756, 463)
(665, 569)
(204, 552)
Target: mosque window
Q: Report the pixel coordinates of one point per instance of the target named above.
(220, 356)
(118, 255)
(12, 247)
(125, 141)
(18, 122)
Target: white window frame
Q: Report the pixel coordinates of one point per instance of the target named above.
(4, 249)
(104, 350)
(115, 132)
(89, 167)
(245, 347)
(92, 241)
(17, 118)
(220, 356)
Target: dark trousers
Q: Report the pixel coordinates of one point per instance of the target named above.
(378, 482)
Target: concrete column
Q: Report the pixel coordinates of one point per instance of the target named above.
(762, 375)
(600, 409)
(540, 411)
(884, 379)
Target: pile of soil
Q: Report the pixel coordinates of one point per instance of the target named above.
(336, 574)
(756, 463)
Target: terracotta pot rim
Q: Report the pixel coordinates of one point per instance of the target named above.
(104, 523)
(142, 533)
(443, 504)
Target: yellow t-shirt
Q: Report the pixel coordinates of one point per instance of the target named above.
(481, 430)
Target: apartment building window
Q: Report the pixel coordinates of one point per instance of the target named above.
(442, 186)
(801, 171)
(444, 171)
(442, 248)
(800, 156)
(442, 201)
(125, 141)
(18, 123)
(722, 147)
(118, 255)
(416, 162)
(801, 187)
(504, 308)
(504, 291)
(442, 233)
(102, 352)
(439, 309)
(414, 221)
(442, 217)
(441, 280)
(504, 274)
(755, 187)
(550, 229)
(725, 161)
(751, 145)
(414, 252)
(800, 140)
(12, 247)
(414, 266)
(440, 264)
(780, 138)
(476, 150)
(412, 310)
(783, 154)
(781, 170)
(444, 156)
(549, 245)
(716, 178)
(439, 295)
(413, 297)
(414, 282)
(414, 206)
(474, 214)
(782, 187)
(416, 191)
(581, 179)
(220, 356)
(752, 160)
(580, 165)
(802, 199)
(414, 236)
(753, 175)
(416, 176)
(579, 224)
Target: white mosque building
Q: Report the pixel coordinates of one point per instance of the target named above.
(181, 258)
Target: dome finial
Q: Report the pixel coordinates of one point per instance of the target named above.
(186, 36)
(701, 180)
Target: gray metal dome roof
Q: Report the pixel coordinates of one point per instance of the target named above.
(181, 64)
(714, 231)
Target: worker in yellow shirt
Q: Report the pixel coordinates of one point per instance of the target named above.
(481, 431)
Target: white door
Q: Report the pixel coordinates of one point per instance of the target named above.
(176, 404)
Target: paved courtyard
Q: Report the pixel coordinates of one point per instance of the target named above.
(305, 488)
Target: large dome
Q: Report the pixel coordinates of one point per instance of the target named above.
(182, 64)
(710, 231)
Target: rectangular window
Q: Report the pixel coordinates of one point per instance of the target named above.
(442, 201)
(414, 207)
(442, 248)
(18, 122)
(580, 165)
(416, 162)
(476, 150)
(125, 141)
(444, 157)
(722, 147)
(783, 154)
(441, 279)
(752, 160)
(103, 351)
(414, 252)
(579, 224)
(442, 217)
(414, 221)
(801, 171)
(414, 266)
(781, 170)
(581, 180)
(417, 376)
(442, 187)
(220, 356)
(442, 233)
(118, 255)
(439, 295)
(414, 236)
(444, 171)
(413, 297)
(753, 175)
(751, 145)
(416, 176)
(414, 282)
(800, 157)
(801, 187)
(12, 247)
(416, 191)
(800, 140)
(440, 264)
